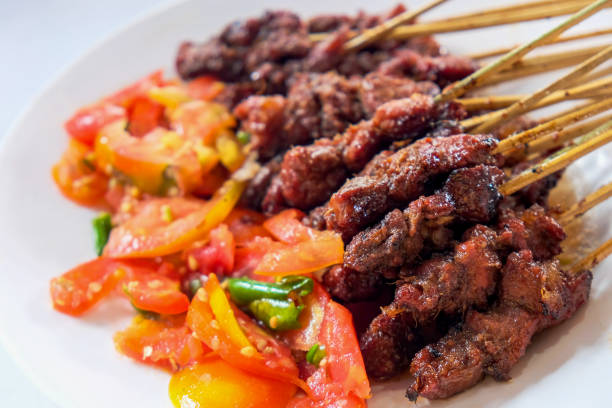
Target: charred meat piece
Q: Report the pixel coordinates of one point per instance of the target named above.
(267, 51)
(400, 178)
(444, 69)
(404, 119)
(469, 194)
(532, 297)
(450, 284)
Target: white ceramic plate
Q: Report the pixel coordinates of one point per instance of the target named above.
(42, 234)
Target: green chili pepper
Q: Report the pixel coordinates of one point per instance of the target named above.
(102, 226)
(244, 291)
(316, 354)
(243, 137)
(277, 314)
(194, 285)
(147, 314)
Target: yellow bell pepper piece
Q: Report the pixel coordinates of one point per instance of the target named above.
(169, 96)
(230, 151)
(225, 315)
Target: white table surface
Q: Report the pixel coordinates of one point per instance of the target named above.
(37, 39)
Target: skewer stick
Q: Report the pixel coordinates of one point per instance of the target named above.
(591, 141)
(487, 18)
(522, 138)
(592, 259)
(541, 64)
(559, 138)
(527, 103)
(476, 78)
(515, 8)
(588, 90)
(585, 204)
(569, 38)
(380, 31)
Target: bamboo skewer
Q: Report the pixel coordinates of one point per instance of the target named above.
(527, 103)
(478, 77)
(557, 139)
(376, 33)
(438, 27)
(588, 90)
(592, 259)
(541, 64)
(590, 142)
(585, 204)
(522, 138)
(514, 8)
(569, 38)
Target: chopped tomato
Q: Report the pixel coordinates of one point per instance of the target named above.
(245, 225)
(237, 339)
(205, 88)
(77, 177)
(126, 96)
(166, 342)
(144, 115)
(211, 181)
(156, 293)
(154, 163)
(85, 124)
(213, 383)
(341, 380)
(250, 254)
(217, 256)
(149, 233)
(286, 227)
(201, 121)
(304, 257)
(77, 290)
(311, 321)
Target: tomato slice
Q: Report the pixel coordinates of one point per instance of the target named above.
(144, 115)
(205, 88)
(85, 124)
(245, 225)
(311, 320)
(77, 290)
(286, 227)
(148, 234)
(154, 163)
(236, 339)
(217, 256)
(213, 383)
(304, 257)
(250, 254)
(166, 342)
(78, 178)
(156, 293)
(201, 121)
(126, 96)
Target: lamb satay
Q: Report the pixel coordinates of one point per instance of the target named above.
(310, 174)
(319, 106)
(447, 285)
(532, 297)
(401, 177)
(377, 253)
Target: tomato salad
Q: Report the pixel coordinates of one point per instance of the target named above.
(225, 299)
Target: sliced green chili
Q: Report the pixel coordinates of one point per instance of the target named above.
(244, 291)
(102, 227)
(243, 137)
(316, 354)
(277, 314)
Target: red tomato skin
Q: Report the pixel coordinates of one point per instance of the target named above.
(126, 96)
(85, 124)
(156, 293)
(166, 343)
(205, 88)
(144, 115)
(218, 255)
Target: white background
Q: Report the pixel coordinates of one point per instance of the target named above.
(37, 39)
